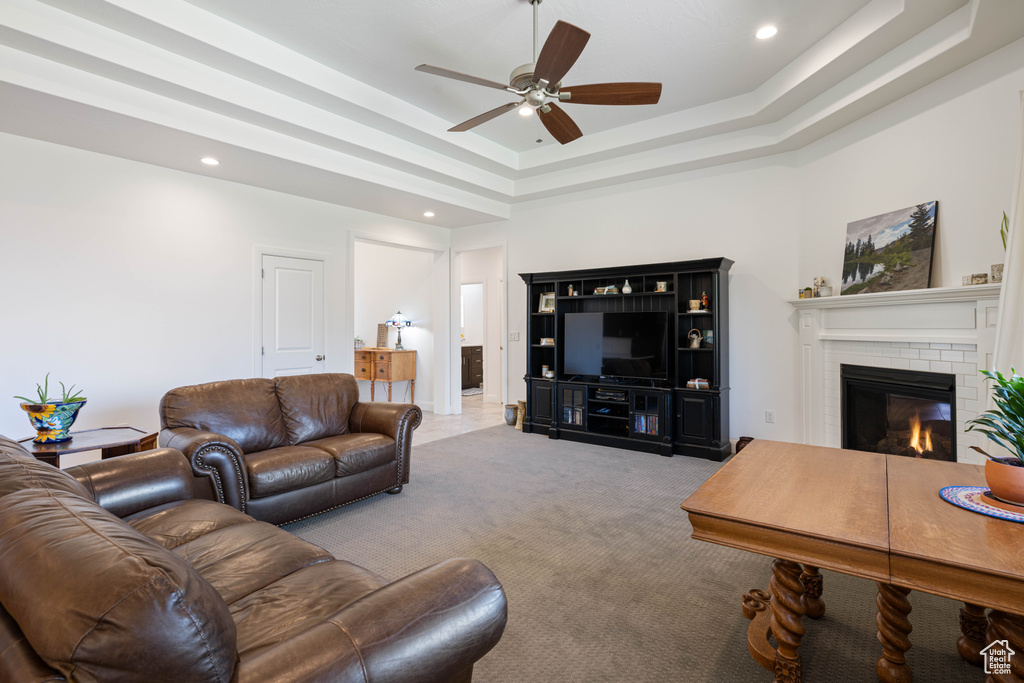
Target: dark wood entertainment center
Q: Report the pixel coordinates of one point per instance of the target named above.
(656, 415)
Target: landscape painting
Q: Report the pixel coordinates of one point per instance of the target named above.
(890, 252)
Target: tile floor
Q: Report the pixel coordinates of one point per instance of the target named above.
(475, 415)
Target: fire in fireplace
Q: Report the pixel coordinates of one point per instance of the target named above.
(902, 412)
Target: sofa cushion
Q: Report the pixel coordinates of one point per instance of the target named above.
(245, 410)
(19, 470)
(315, 406)
(286, 469)
(298, 601)
(139, 611)
(174, 524)
(355, 453)
(243, 558)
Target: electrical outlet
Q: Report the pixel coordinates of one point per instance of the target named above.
(769, 416)
(513, 336)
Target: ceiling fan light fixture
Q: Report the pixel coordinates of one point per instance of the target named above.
(526, 110)
(766, 32)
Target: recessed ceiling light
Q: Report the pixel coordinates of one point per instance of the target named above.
(526, 110)
(210, 161)
(428, 214)
(766, 32)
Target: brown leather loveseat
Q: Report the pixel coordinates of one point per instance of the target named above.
(286, 448)
(114, 571)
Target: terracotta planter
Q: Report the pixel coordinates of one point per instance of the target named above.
(1006, 481)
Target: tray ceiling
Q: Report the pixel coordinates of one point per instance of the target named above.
(320, 99)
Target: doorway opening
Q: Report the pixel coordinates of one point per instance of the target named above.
(389, 279)
(481, 356)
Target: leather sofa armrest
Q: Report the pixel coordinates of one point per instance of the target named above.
(430, 627)
(397, 420)
(131, 483)
(215, 458)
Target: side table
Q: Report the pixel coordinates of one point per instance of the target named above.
(112, 441)
(386, 365)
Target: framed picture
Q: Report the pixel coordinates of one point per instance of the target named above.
(382, 336)
(890, 252)
(547, 303)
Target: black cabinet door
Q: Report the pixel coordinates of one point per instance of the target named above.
(542, 402)
(696, 417)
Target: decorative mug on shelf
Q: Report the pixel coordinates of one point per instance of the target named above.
(694, 304)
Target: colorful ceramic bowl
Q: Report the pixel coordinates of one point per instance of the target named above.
(52, 420)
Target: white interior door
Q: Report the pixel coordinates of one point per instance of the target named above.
(293, 316)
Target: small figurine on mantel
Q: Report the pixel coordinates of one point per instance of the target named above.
(704, 301)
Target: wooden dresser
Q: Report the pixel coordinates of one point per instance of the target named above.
(472, 366)
(386, 365)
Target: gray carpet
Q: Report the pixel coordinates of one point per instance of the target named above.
(603, 580)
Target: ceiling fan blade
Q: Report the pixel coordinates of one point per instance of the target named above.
(559, 124)
(560, 52)
(612, 93)
(448, 73)
(486, 116)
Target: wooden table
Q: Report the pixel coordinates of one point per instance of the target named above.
(869, 515)
(111, 441)
(386, 365)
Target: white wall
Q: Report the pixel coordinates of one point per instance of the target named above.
(485, 266)
(955, 141)
(473, 314)
(783, 220)
(128, 279)
(389, 279)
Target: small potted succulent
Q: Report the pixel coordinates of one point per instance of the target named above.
(52, 417)
(1004, 425)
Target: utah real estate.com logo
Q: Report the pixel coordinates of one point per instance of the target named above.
(997, 657)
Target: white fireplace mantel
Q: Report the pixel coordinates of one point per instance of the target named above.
(945, 329)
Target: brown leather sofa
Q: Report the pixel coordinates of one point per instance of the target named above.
(287, 448)
(114, 571)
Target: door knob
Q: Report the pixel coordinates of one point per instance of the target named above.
(320, 357)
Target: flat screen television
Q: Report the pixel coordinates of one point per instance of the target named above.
(617, 345)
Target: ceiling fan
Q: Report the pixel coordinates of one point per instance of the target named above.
(539, 83)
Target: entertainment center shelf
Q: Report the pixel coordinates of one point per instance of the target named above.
(612, 368)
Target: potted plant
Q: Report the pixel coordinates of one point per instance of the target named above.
(52, 418)
(358, 343)
(1005, 425)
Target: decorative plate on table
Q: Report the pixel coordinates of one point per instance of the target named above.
(980, 499)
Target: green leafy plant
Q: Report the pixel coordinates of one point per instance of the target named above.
(1005, 423)
(1004, 229)
(43, 391)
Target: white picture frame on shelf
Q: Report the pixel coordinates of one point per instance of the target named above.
(547, 303)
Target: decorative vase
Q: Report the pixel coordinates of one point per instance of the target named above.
(626, 289)
(52, 420)
(1006, 481)
(511, 414)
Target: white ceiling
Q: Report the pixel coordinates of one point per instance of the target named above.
(319, 98)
